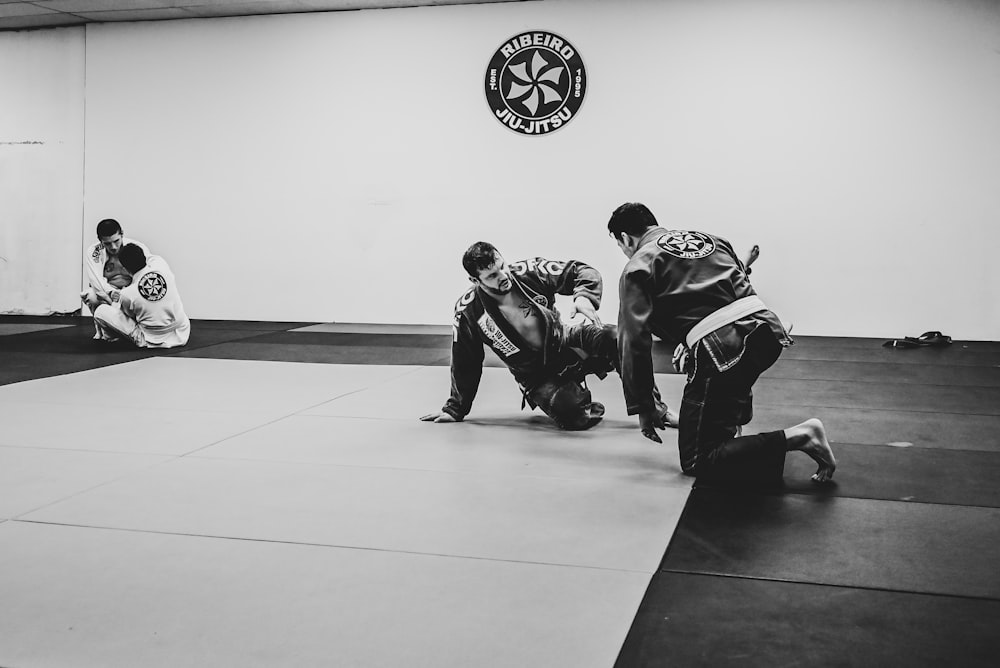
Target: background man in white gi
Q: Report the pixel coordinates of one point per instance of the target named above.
(104, 272)
(149, 312)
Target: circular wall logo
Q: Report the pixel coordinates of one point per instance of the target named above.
(687, 245)
(535, 82)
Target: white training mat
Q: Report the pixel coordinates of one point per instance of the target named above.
(265, 513)
(92, 598)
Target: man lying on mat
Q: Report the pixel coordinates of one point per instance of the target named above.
(511, 309)
(690, 286)
(149, 312)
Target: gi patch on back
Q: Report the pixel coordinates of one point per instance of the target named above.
(499, 339)
(153, 287)
(687, 245)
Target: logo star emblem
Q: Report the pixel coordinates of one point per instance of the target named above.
(153, 286)
(686, 242)
(687, 245)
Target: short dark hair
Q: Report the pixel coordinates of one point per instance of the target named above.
(132, 258)
(632, 218)
(480, 255)
(108, 228)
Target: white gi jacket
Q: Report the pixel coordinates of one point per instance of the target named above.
(101, 272)
(154, 303)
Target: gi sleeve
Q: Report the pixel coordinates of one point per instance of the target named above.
(126, 302)
(467, 356)
(635, 343)
(569, 278)
(95, 272)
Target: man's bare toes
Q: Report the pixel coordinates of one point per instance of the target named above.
(823, 474)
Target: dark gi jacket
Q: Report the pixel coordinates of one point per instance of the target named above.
(675, 279)
(478, 321)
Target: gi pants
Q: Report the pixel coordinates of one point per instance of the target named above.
(561, 391)
(714, 408)
(110, 321)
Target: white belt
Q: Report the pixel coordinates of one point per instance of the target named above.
(725, 315)
(166, 329)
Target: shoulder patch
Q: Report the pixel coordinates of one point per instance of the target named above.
(460, 305)
(152, 286)
(686, 244)
(465, 300)
(96, 254)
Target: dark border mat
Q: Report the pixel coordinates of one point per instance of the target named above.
(697, 620)
(375, 328)
(868, 342)
(43, 319)
(949, 431)
(914, 547)
(321, 354)
(435, 341)
(17, 367)
(13, 328)
(953, 354)
(919, 475)
(86, 320)
(54, 352)
(364, 348)
(248, 325)
(79, 341)
(880, 372)
(886, 396)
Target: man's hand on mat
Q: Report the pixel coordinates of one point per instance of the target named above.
(438, 417)
(649, 422)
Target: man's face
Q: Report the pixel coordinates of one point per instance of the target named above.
(495, 279)
(112, 244)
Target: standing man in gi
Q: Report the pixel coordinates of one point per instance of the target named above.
(104, 272)
(690, 286)
(511, 308)
(149, 312)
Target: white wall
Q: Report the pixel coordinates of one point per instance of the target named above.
(41, 170)
(334, 167)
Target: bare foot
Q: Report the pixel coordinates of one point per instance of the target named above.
(810, 438)
(752, 255)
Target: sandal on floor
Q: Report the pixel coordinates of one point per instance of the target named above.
(933, 338)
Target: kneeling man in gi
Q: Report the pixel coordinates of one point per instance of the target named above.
(149, 312)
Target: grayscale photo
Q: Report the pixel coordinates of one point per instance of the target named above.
(499, 333)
